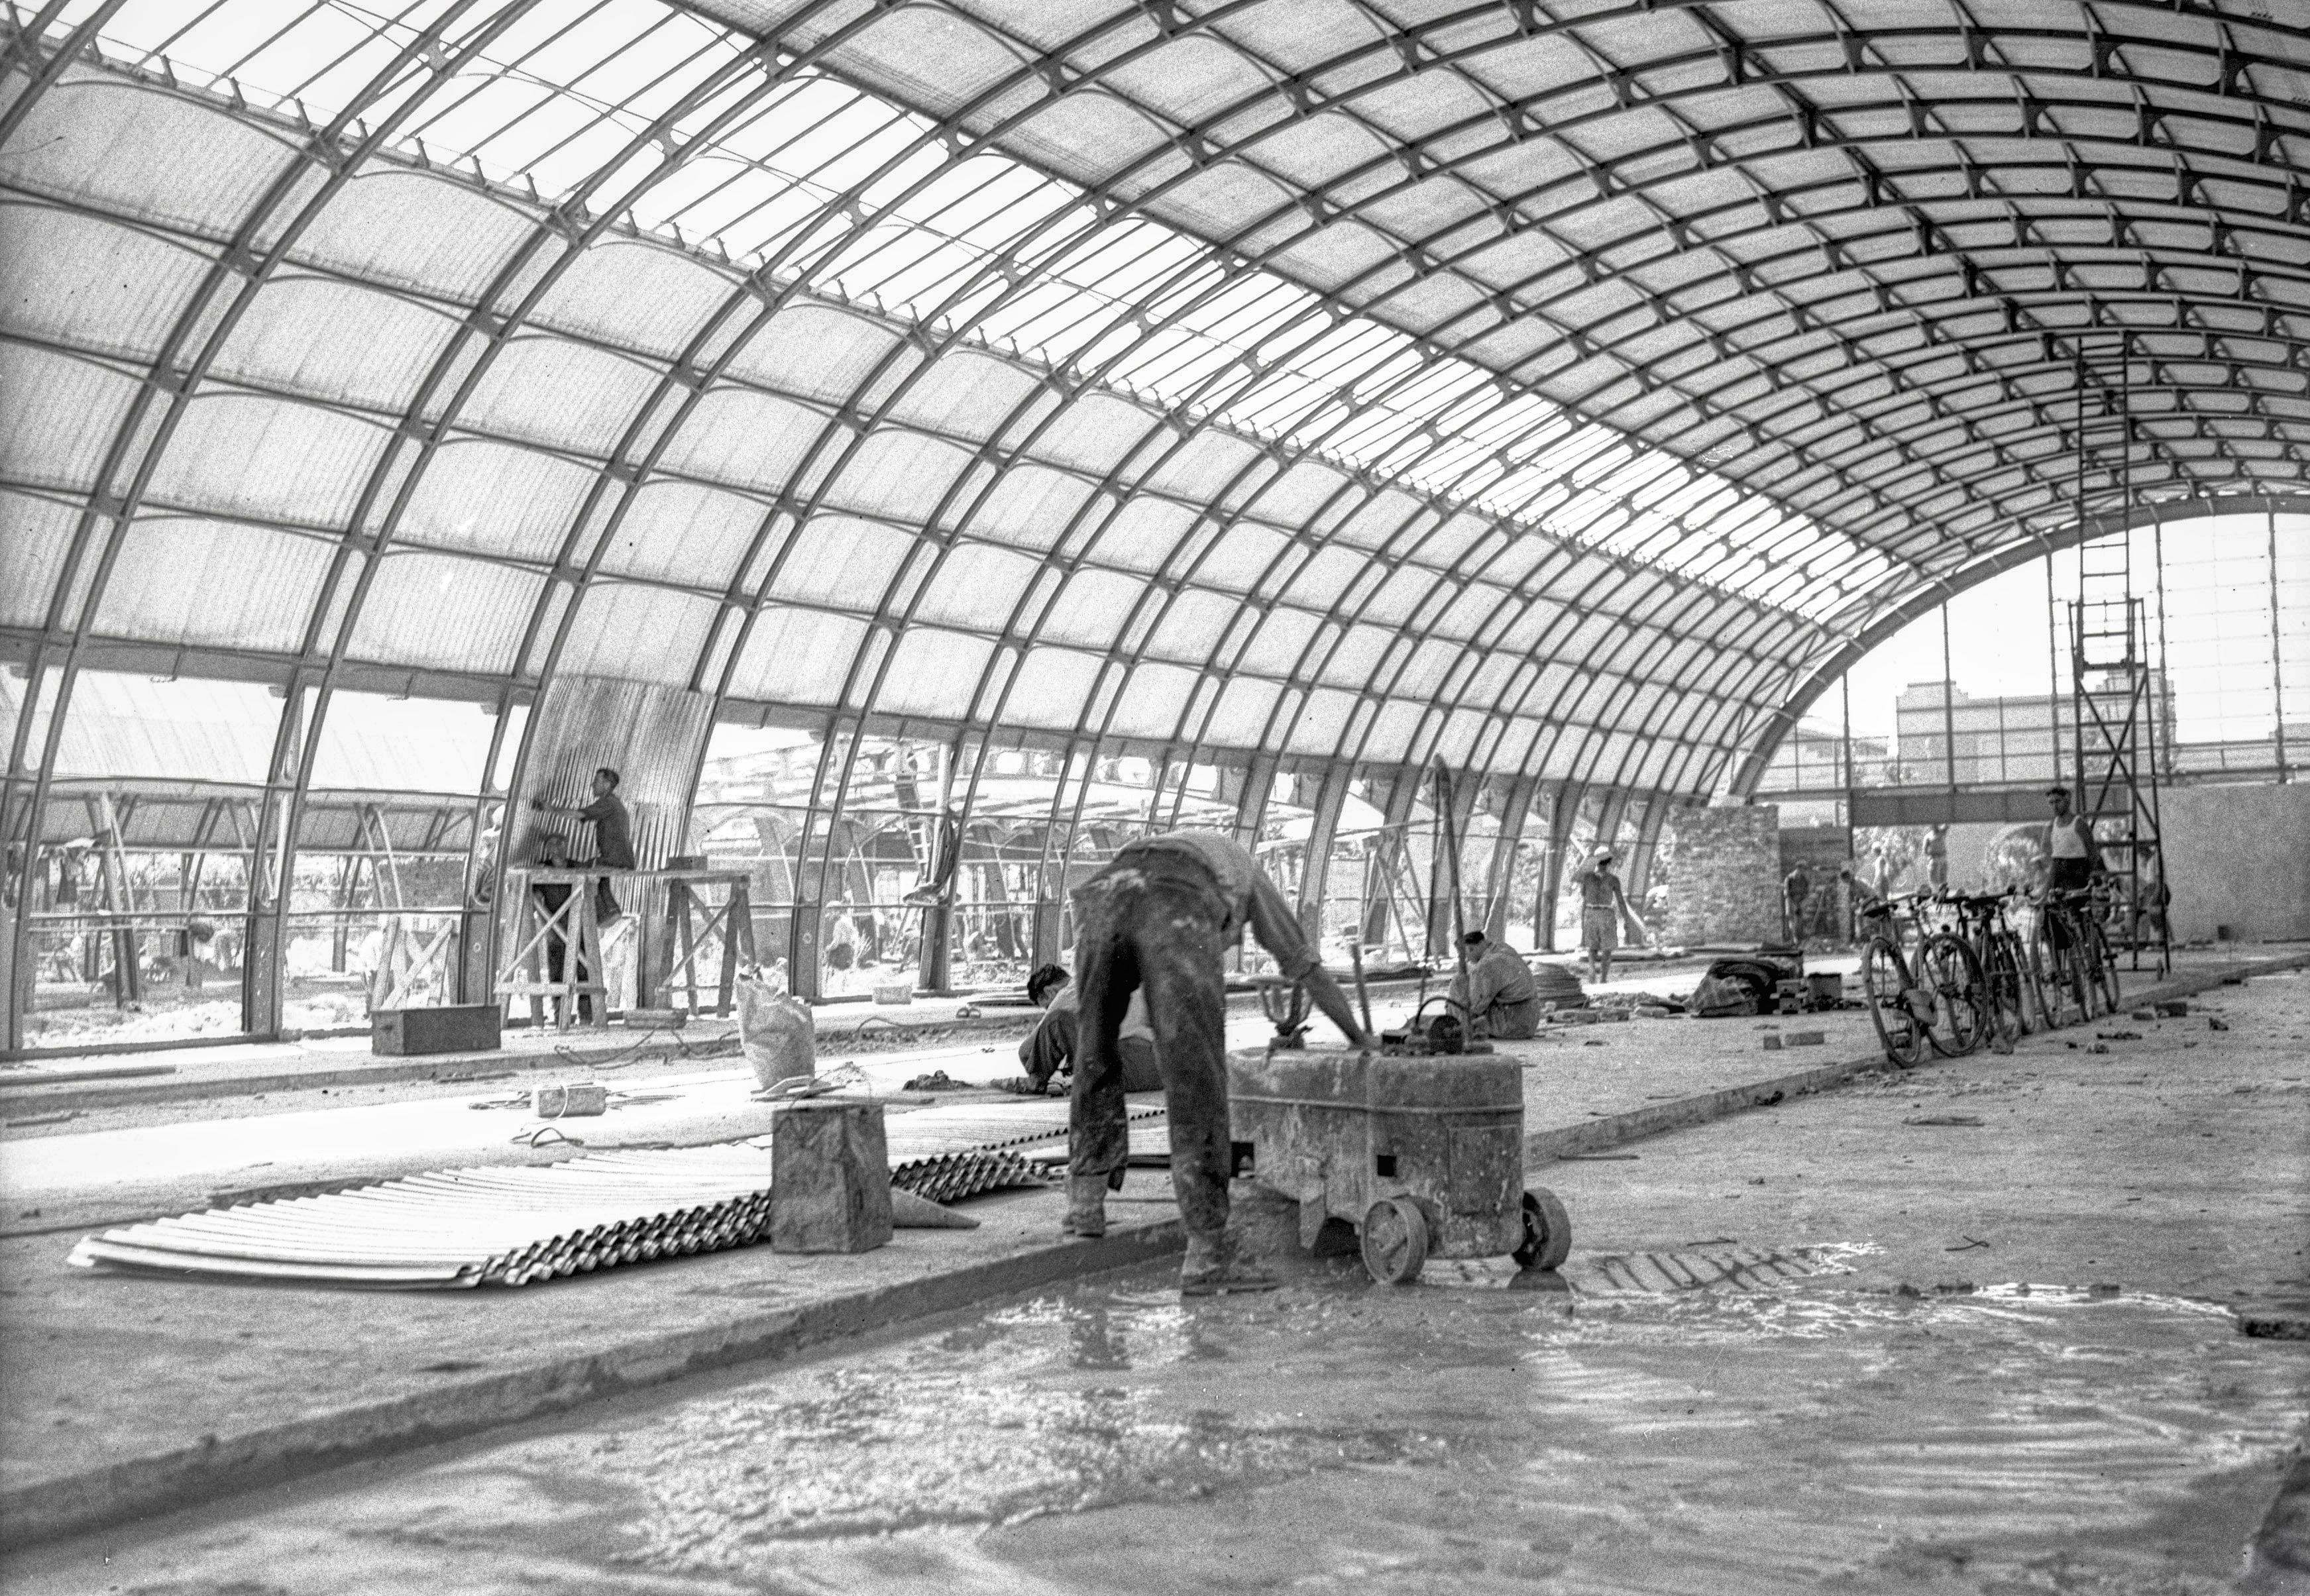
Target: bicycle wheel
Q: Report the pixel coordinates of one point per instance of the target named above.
(2058, 977)
(1884, 981)
(2007, 1001)
(2101, 971)
(1948, 972)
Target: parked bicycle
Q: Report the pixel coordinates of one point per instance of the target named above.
(1925, 988)
(2078, 969)
(2015, 1004)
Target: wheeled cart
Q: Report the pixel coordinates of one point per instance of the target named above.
(1423, 1154)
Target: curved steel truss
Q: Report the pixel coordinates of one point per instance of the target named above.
(1552, 388)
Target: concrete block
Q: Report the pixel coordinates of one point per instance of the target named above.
(1771, 1043)
(830, 1177)
(575, 1099)
(1806, 1038)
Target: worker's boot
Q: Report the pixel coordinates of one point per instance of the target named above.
(1211, 1269)
(1086, 1207)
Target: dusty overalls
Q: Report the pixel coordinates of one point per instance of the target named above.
(1156, 917)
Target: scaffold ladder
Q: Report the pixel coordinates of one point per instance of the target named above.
(2117, 706)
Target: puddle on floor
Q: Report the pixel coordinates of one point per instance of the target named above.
(1774, 1430)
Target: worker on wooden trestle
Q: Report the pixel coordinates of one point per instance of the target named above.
(1161, 915)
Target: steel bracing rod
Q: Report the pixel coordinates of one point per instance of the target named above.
(1823, 675)
(195, 339)
(1142, 200)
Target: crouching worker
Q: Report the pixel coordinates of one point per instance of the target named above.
(1159, 919)
(1495, 994)
(1049, 1050)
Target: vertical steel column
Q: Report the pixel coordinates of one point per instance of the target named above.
(1563, 812)
(1441, 872)
(1515, 808)
(2277, 654)
(1323, 834)
(1949, 703)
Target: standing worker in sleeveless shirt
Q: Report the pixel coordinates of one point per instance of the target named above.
(2070, 845)
(1161, 917)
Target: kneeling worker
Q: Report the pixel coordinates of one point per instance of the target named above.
(1159, 917)
(1049, 1050)
(1496, 994)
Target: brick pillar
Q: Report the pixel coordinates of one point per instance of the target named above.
(1726, 887)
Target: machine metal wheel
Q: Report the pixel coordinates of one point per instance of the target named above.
(1395, 1241)
(1882, 981)
(1547, 1231)
(1962, 1015)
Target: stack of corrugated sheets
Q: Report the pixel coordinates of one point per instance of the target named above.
(511, 1226)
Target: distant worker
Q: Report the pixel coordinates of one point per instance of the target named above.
(1160, 918)
(1797, 903)
(2075, 857)
(1496, 992)
(1050, 1050)
(1603, 905)
(613, 835)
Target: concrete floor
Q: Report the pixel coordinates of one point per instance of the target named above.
(1882, 1405)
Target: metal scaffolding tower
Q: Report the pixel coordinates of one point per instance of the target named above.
(2119, 700)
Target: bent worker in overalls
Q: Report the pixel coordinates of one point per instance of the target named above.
(1161, 915)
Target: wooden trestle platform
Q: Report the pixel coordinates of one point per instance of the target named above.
(680, 924)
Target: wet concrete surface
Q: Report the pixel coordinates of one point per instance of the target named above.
(1972, 1328)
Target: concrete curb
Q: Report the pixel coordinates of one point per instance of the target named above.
(222, 1466)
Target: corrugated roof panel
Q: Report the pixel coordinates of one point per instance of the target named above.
(1051, 688)
(183, 580)
(551, 391)
(976, 585)
(1246, 706)
(745, 439)
(1153, 701)
(57, 416)
(90, 281)
(371, 743)
(934, 672)
(819, 352)
(639, 634)
(329, 341)
(275, 459)
(123, 725)
(837, 560)
(480, 496)
(438, 610)
(636, 295)
(35, 536)
(1030, 506)
(681, 532)
(796, 657)
(143, 152)
(413, 230)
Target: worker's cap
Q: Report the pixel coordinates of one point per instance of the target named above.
(2057, 791)
(1603, 855)
(1472, 938)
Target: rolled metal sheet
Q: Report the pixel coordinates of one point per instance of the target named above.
(515, 1225)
